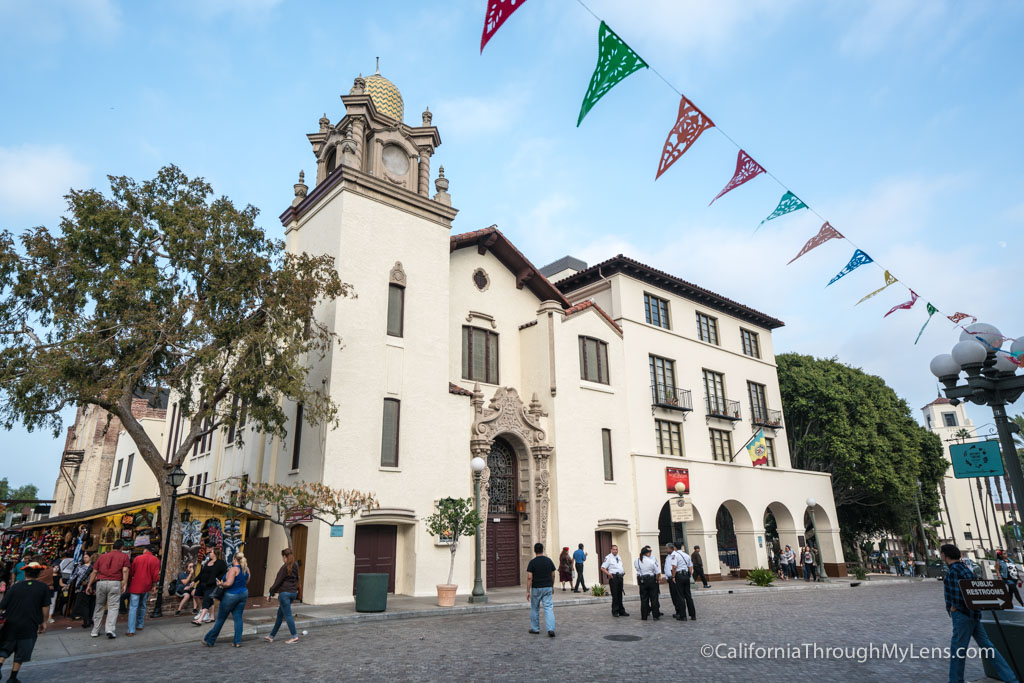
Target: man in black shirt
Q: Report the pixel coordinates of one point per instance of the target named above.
(540, 582)
(26, 606)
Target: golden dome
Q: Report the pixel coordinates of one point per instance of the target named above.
(385, 96)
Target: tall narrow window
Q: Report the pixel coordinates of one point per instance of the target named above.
(128, 468)
(479, 355)
(238, 407)
(606, 447)
(189, 487)
(117, 477)
(721, 445)
(714, 392)
(669, 437)
(206, 480)
(594, 360)
(656, 310)
(770, 452)
(297, 444)
(396, 310)
(389, 437)
(751, 345)
(758, 404)
(663, 378)
(707, 328)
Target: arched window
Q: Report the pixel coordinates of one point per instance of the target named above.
(332, 160)
(502, 483)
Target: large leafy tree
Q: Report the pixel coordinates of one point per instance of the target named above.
(160, 285)
(25, 492)
(843, 421)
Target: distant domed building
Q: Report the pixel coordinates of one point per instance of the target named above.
(385, 95)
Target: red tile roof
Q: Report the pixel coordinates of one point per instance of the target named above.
(457, 390)
(940, 401)
(667, 281)
(584, 305)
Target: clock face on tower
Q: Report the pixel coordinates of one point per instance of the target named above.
(396, 160)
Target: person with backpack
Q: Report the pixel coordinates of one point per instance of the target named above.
(1010, 573)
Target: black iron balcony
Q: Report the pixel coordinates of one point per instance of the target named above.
(670, 398)
(765, 417)
(722, 408)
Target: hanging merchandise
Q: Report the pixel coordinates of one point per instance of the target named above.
(746, 169)
(858, 259)
(826, 233)
(889, 280)
(615, 61)
(690, 123)
(497, 12)
(788, 204)
(931, 311)
(905, 305)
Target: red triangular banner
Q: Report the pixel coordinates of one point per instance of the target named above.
(904, 305)
(826, 233)
(690, 123)
(746, 169)
(497, 12)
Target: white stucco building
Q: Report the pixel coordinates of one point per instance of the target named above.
(582, 395)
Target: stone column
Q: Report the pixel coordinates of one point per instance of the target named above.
(424, 180)
(542, 490)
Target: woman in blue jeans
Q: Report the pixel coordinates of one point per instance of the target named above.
(233, 602)
(287, 588)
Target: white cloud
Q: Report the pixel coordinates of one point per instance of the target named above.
(35, 178)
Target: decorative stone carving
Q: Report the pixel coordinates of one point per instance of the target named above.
(507, 414)
(325, 123)
(358, 85)
(427, 117)
(301, 189)
(481, 279)
(349, 150)
(397, 276)
(441, 184)
(423, 186)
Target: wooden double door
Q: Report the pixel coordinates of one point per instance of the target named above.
(502, 519)
(375, 550)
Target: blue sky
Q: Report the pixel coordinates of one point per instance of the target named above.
(898, 121)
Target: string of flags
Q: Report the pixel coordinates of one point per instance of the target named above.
(616, 61)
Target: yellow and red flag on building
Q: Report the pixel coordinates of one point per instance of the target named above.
(757, 449)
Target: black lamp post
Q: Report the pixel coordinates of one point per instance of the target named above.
(174, 478)
(991, 380)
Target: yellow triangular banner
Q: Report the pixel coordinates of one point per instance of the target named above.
(889, 280)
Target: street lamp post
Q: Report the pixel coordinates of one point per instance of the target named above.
(174, 478)
(920, 523)
(478, 464)
(822, 576)
(680, 490)
(991, 380)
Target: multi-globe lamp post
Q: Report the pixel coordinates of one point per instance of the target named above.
(990, 379)
(478, 465)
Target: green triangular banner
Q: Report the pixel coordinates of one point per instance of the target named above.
(615, 61)
(789, 203)
(931, 311)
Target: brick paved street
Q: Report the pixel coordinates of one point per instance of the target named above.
(496, 645)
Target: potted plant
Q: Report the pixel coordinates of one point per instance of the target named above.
(454, 518)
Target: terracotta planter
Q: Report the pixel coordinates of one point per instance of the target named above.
(446, 594)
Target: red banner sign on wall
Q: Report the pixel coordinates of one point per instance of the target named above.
(674, 475)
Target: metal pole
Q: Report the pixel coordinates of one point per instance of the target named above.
(920, 522)
(158, 607)
(1010, 459)
(478, 586)
(822, 576)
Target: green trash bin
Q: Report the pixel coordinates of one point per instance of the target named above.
(1009, 640)
(371, 592)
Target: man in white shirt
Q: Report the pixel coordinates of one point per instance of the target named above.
(613, 569)
(683, 569)
(647, 572)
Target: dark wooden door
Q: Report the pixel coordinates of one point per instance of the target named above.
(299, 550)
(502, 518)
(376, 545)
(256, 553)
(603, 541)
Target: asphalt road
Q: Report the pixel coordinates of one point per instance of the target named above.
(590, 645)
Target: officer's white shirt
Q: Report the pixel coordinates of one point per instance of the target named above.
(685, 563)
(613, 563)
(670, 563)
(647, 566)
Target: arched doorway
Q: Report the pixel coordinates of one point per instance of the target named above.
(502, 519)
(736, 545)
(689, 534)
(779, 531)
(820, 533)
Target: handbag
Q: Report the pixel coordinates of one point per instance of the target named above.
(218, 592)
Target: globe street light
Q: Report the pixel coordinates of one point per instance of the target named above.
(680, 490)
(174, 478)
(992, 380)
(811, 504)
(478, 465)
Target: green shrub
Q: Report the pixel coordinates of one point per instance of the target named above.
(598, 591)
(860, 573)
(761, 576)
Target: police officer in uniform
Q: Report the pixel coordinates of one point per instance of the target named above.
(613, 569)
(647, 572)
(683, 568)
(670, 572)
